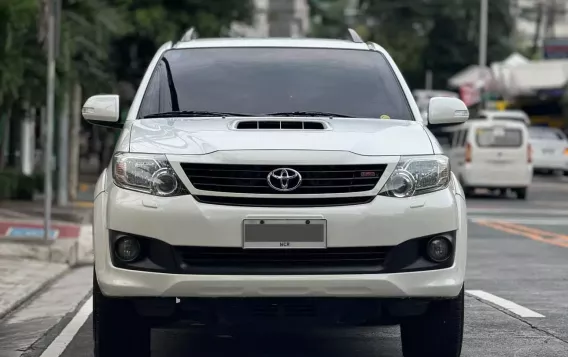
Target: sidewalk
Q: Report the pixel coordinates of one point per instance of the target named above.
(27, 262)
(20, 279)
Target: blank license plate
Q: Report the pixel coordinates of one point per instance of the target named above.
(284, 233)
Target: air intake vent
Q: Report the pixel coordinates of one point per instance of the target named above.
(281, 125)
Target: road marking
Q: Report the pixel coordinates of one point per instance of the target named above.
(537, 231)
(537, 235)
(83, 204)
(506, 304)
(514, 211)
(553, 186)
(555, 204)
(530, 220)
(56, 348)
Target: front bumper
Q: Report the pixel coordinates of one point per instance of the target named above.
(546, 163)
(182, 221)
(482, 176)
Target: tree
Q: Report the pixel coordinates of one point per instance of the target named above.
(439, 35)
(155, 22)
(328, 18)
(16, 19)
(401, 27)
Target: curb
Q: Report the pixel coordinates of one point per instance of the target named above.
(34, 292)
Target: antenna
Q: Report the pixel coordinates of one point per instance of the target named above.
(189, 35)
(354, 36)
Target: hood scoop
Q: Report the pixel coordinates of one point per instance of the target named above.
(279, 124)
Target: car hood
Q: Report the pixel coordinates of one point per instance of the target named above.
(196, 136)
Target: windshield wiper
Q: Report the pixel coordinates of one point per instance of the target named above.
(194, 113)
(308, 114)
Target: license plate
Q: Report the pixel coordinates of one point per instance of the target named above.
(548, 151)
(498, 162)
(284, 233)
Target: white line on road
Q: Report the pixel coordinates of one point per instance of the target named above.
(56, 348)
(529, 221)
(506, 304)
(518, 211)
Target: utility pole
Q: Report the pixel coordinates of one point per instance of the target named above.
(483, 14)
(63, 153)
(63, 148)
(48, 151)
(428, 84)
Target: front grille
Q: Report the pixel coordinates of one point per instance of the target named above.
(316, 179)
(212, 260)
(284, 202)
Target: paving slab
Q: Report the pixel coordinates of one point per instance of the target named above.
(20, 279)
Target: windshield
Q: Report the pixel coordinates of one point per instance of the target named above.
(512, 118)
(498, 137)
(259, 81)
(546, 134)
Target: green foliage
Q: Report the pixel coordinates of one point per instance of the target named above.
(101, 41)
(155, 22)
(440, 35)
(17, 186)
(17, 21)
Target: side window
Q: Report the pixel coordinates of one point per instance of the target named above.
(478, 117)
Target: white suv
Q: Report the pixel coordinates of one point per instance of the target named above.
(258, 181)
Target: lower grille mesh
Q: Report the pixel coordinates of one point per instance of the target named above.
(212, 260)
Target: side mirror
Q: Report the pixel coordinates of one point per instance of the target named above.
(102, 110)
(446, 110)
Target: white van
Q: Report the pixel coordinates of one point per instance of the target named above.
(500, 115)
(493, 155)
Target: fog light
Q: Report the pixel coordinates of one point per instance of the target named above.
(127, 249)
(439, 249)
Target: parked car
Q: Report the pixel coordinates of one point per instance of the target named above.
(550, 150)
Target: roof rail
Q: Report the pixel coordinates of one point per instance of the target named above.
(354, 36)
(189, 35)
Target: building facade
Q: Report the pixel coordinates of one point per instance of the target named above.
(276, 18)
(540, 20)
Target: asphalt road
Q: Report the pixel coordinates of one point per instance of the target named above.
(516, 304)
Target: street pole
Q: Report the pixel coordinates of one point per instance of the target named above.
(428, 79)
(63, 152)
(483, 14)
(48, 151)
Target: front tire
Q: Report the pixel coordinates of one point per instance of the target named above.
(521, 193)
(439, 332)
(118, 330)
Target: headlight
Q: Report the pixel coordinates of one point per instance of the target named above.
(416, 175)
(146, 173)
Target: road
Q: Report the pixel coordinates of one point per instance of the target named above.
(516, 301)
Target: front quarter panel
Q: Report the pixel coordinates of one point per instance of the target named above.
(457, 187)
(101, 183)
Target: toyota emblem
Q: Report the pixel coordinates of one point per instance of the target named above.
(284, 179)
